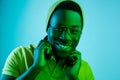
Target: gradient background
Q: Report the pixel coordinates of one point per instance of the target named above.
(22, 22)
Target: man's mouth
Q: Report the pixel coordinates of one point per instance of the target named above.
(65, 47)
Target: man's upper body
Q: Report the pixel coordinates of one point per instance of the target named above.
(21, 59)
(55, 57)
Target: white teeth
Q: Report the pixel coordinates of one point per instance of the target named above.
(63, 46)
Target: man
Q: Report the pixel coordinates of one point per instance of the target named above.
(55, 57)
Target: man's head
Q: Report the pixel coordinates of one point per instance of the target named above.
(64, 27)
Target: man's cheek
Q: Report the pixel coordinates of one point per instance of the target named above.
(75, 43)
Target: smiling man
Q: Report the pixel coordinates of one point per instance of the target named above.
(64, 31)
(55, 57)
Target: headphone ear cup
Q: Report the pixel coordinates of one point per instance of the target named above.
(70, 61)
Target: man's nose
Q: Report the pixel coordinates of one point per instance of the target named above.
(65, 35)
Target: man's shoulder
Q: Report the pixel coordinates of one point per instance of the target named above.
(28, 48)
(84, 62)
(19, 60)
(23, 51)
(85, 71)
(85, 65)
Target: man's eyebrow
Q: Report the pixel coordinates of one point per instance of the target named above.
(59, 24)
(75, 26)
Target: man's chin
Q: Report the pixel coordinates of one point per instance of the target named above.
(63, 53)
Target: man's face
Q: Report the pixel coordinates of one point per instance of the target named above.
(64, 31)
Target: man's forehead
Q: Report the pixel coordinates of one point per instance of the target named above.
(63, 25)
(66, 18)
(64, 12)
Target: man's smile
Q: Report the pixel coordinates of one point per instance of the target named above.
(63, 46)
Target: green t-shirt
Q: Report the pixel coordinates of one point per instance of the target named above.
(21, 59)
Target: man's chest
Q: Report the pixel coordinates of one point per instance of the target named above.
(53, 71)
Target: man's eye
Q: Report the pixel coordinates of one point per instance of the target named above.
(58, 29)
(74, 31)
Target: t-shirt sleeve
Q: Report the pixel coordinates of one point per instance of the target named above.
(19, 60)
(85, 72)
(11, 65)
